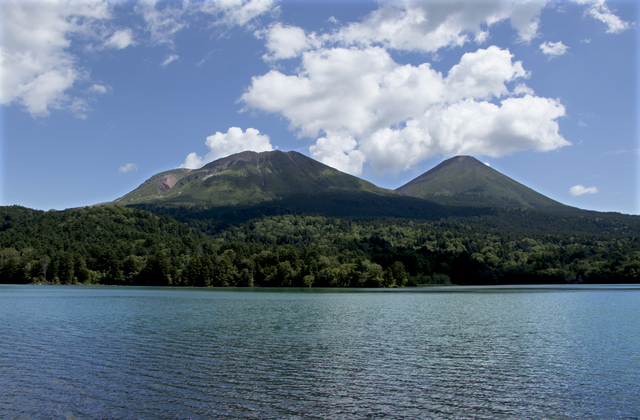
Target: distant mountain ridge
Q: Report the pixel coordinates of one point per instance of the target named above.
(247, 178)
(464, 180)
(250, 185)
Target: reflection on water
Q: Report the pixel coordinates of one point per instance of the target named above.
(108, 352)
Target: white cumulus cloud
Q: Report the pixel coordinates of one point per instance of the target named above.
(99, 89)
(120, 39)
(483, 74)
(42, 41)
(350, 89)
(412, 25)
(36, 69)
(577, 190)
(127, 168)
(339, 152)
(428, 26)
(225, 144)
(285, 41)
(523, 89)
(468, 127)
(554, 49)
(363, 106)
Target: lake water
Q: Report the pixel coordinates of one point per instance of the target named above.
(496, 352)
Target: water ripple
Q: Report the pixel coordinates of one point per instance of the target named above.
(136, 353)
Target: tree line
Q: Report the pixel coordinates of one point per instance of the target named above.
(125, 246)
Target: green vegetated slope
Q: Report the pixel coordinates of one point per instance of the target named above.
(442, 252)
(463, 180)
(247, 178)
(213, 220)
(121, 246)
(105, 244)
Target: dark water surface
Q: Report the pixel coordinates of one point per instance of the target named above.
(130, 353)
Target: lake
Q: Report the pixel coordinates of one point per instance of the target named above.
(71, 352)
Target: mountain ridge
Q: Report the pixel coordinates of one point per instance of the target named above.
(246, 178)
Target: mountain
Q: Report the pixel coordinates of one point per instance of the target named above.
(464, 180)
(460, 184)
(247, 178)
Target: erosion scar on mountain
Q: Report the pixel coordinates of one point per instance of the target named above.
(168, 181)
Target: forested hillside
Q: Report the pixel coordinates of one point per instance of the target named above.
(105, 245)
(117, 245)
(213, 220)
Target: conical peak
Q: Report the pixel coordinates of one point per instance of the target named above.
(461, 160)
(466, 180)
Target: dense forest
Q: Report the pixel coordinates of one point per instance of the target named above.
(125, 246)
(354, 205)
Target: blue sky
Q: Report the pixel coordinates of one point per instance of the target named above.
(99, 96)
